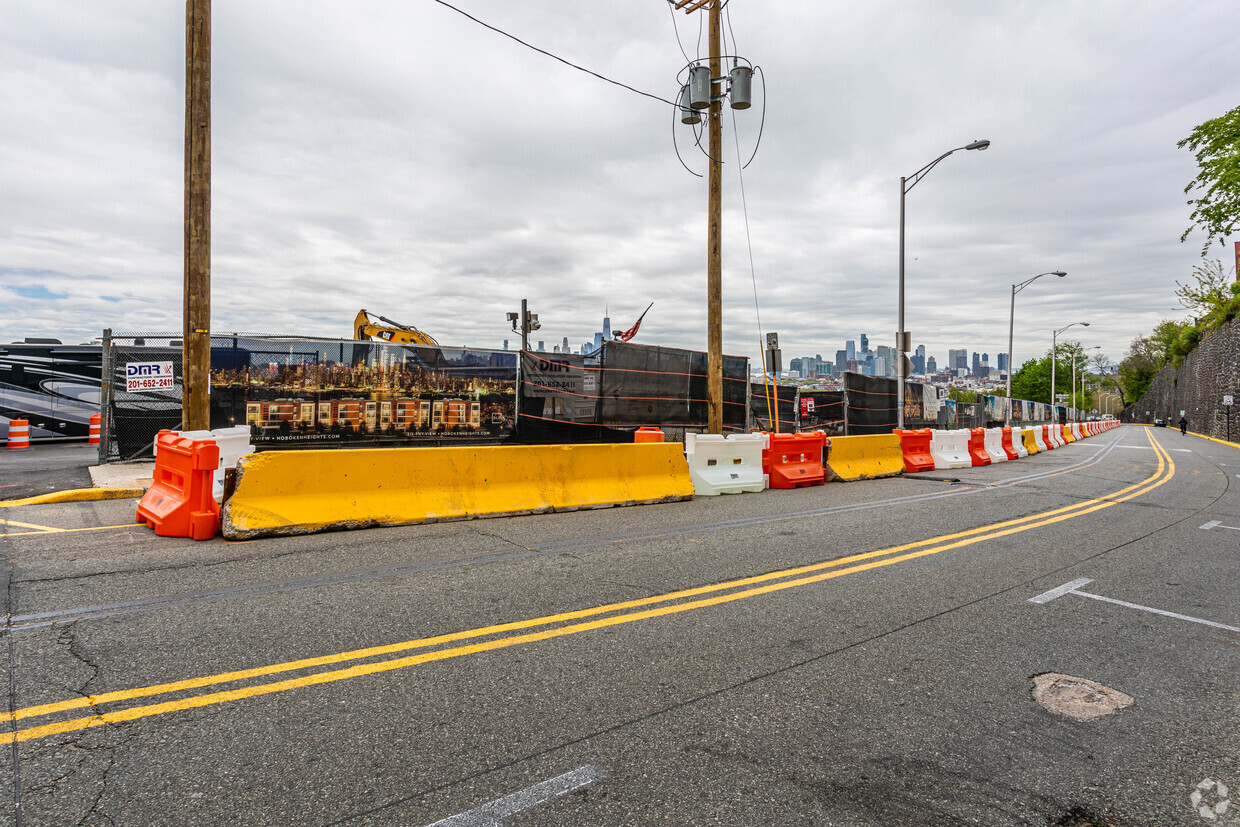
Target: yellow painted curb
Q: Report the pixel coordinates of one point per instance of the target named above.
(1215, 439)
(852, 458)
(74, 495)
(302, 492)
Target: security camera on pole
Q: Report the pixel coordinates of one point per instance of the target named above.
(525, 323)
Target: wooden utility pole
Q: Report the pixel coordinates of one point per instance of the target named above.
(196, 333)
(714, 241)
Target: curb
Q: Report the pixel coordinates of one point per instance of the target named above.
(76, 495)
(1214, 439)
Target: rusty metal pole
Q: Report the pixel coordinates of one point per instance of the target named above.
(196, 333)
(714, 248)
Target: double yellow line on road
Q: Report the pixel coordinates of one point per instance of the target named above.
(616, 614)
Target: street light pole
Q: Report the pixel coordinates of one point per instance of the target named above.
(1016, 288)
(906, 185)
(1077, 414)
(1055, 355)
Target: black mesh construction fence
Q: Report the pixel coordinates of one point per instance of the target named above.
(296, 392)
(869, 403)
(605, 397)
(765, 399)
(821, 411)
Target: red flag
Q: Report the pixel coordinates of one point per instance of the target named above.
(632, 331)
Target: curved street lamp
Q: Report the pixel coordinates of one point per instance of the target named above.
(906, 184)
(1016, 288)
(1055, 354)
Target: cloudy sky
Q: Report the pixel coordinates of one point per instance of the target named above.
(394, 155)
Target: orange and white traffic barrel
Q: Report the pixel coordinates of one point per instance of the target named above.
(19, 434)
(94, 429)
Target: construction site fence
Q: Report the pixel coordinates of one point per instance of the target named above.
(306, 392)
(607, 395)
(867, 405)
(301, 392)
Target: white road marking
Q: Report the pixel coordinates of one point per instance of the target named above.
(1217, 524)
(1071, 588)
(1183, 450)
(1211, 525)
(1060, 591)
(1138, 447)
(493, 813)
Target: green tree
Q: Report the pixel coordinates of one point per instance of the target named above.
(1033, 380)
(1216, 207)
(1145, 358)
(1210, 288)
(1164, 338)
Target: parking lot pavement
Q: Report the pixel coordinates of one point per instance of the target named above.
(46, 468)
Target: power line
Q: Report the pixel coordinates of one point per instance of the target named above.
(550, 55)
(676, 29)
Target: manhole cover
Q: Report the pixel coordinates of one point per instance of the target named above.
(1077, 698)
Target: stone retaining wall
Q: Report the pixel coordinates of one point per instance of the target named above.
(1197, 388)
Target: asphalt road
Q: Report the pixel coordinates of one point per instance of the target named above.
(44, 468)
(850, 654)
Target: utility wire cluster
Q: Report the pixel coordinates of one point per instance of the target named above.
(696, 83)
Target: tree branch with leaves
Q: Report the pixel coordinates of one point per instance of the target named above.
(1216, 207)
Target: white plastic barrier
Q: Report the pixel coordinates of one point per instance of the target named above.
(1039, 437)
(725, 466)
(1076, 430)
(1018, 442)
(950, 449)
(1056, 434)
(234, 443)
(994, 445)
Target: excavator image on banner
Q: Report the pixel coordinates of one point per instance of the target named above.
(396, 333)
(365, 330)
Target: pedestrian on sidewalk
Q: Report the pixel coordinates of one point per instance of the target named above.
(1183, 425)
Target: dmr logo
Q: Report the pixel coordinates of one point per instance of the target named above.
(142, 370)
(552, 367)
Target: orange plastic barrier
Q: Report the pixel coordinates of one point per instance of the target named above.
(647, 434)
(1008, 447)
(794, 460)
(19, 434)
(916, 448)
(94, 429)
(977, 447)
(180, 502)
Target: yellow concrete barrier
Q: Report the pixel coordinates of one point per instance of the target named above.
(1031, 444)
(864, 457)
(301, 492)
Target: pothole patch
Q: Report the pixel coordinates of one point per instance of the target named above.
(1077, 698)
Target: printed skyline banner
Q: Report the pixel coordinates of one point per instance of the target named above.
(302, 393)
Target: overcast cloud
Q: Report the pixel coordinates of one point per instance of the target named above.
(398, 157)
